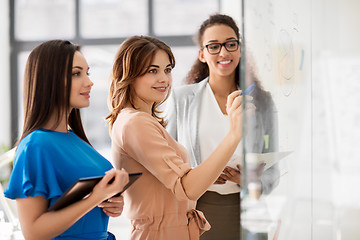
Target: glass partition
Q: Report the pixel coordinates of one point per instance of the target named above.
(277, 193)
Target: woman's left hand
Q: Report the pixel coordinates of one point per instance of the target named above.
(232, 174)
(113, 207)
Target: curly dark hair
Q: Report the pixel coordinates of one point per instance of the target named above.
(199, 71)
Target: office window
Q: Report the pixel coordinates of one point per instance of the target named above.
(100, 59)
(44, 19)
(184, 57)
(181, 17)
(100, 27)
(21, 59)
(112, 18)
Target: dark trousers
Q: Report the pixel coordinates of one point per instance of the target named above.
(223, 214)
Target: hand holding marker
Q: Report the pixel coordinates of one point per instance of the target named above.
(249, 89)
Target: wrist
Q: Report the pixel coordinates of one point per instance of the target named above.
(95, 199)
(235, 137)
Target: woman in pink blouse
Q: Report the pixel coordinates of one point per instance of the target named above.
(161, 204)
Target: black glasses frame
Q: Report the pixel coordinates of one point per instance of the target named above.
(221, 45)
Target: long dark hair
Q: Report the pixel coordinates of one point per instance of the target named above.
(199, 71)
(47, 86)
(132, 61)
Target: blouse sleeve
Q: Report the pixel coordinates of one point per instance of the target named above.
(144, 140)
(33, 174)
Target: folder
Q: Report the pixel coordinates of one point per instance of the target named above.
(269, 159)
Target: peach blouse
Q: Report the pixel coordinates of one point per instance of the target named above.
(156, 203)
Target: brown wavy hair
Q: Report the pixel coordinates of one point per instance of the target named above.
(133, 60)
(47, 86)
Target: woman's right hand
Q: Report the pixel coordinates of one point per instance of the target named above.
(111, 184)
(234, 109)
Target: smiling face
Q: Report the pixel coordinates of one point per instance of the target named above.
(80, 83)
(154, 85)
(224, 63)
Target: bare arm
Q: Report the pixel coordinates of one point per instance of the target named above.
(37, 223)
(196, 181)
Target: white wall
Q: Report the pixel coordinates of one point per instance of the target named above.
(4, 75)
(336, 76)
(336, 87)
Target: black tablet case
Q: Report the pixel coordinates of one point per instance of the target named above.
(82, 188)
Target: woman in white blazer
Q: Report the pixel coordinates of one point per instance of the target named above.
(197, 120)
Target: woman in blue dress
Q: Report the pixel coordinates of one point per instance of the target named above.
(53, 151)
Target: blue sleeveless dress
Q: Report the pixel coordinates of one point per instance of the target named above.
(47, 163)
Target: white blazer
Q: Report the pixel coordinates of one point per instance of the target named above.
(182, 113)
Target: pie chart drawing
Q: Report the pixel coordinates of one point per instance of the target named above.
(286, 62)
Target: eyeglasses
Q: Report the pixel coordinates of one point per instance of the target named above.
(215, 48)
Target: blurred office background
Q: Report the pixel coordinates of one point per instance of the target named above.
(307, 54)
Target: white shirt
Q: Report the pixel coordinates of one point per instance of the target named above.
(213, 127)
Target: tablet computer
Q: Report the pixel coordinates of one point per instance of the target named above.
(82, 187)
